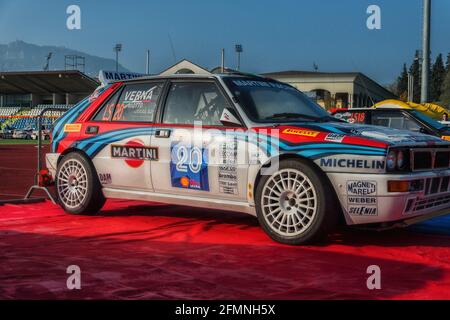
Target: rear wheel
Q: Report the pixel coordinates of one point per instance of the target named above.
(296, 204)
(77, 186)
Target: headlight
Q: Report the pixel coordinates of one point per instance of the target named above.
(401, 160)
(391, 160)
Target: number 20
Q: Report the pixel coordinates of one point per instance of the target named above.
(189, 159)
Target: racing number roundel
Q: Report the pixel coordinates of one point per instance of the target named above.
(134, 163)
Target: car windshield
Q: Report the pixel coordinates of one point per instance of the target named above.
(274, 102)
(431, 122)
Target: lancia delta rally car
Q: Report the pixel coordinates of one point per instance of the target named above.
(247, 144)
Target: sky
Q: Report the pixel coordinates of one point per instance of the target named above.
(276, 35)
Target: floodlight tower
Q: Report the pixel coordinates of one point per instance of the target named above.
(117, 48)
(47, 61)
(239, 50)
(425, 50)
(147, 63)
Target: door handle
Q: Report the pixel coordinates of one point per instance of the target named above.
(92, 130)
(162, 133)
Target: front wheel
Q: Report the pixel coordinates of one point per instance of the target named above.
(296, 204)
(77, 186)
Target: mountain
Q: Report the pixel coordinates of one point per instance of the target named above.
(22, 56)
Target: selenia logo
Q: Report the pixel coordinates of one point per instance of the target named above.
(135, 153)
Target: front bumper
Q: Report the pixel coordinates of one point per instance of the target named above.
(365, 199)
(51, 160)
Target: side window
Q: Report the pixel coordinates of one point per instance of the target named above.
(394, 120)
(386, 120)
(412, 125)
(106, 111)
(190, 102)
(137, 103)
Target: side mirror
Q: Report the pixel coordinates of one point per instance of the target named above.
(229, 118)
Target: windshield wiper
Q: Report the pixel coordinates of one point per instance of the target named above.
(290, 115)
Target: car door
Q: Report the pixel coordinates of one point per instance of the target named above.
(118, 136)
(199, 155)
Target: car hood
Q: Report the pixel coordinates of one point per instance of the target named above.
(387, 135)
(349, 133)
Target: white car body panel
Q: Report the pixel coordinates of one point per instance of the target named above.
(230, 177)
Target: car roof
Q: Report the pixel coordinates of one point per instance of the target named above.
(194, 76)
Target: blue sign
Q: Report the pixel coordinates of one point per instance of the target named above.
(189, 167)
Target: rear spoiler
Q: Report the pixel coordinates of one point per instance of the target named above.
(108, 77)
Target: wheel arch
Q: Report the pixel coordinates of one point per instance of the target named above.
(312, 164)
(75, 150)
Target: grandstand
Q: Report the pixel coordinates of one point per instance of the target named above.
(27, 118)
(30, 89)
(5, 113)
(23, 96)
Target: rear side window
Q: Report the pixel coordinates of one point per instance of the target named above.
(137, 103)
(107, 110)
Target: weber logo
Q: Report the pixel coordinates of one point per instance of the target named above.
(135, 152)
(362, 198)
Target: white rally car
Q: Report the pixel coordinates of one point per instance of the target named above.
(247, 144)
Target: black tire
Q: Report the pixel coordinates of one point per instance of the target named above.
(324, 217)
(87, 189)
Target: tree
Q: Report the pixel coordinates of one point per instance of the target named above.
(437, 78)
(402, 82)
(445, 89)
(447, 65)
(445, 95)
(415, 72)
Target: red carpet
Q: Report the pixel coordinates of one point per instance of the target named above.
(138, 250)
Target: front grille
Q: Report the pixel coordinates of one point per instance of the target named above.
(436, 185)
(431, 202)
(423, 160)
(429, 158)
(442, 159)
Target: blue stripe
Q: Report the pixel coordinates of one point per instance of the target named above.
(317, 153)
(326, 145)
(106, 135)
(95, 144)
(69, 113)
(70, 116)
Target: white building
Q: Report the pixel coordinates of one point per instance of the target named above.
(330, 90)
(337, 89)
